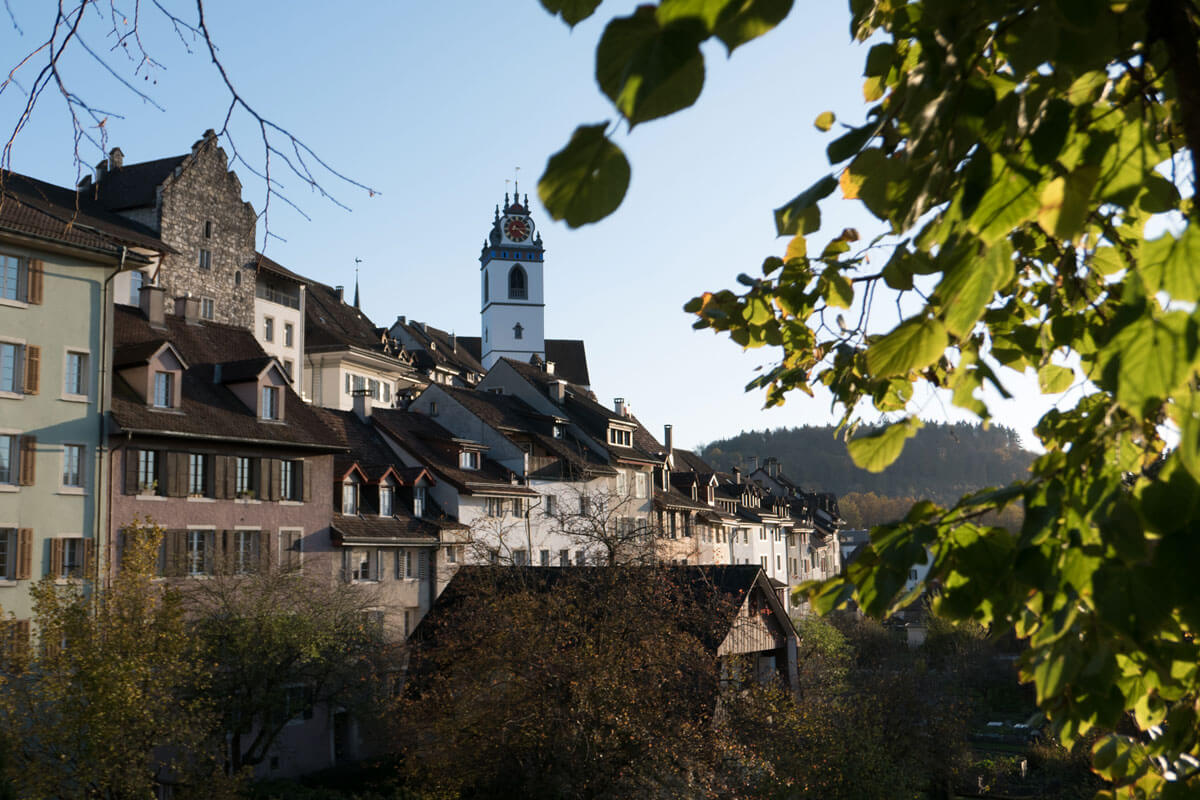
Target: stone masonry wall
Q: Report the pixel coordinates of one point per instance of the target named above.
(206, 191)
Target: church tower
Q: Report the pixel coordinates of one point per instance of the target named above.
(510, 276)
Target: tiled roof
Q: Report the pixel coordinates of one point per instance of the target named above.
(208, 410)
(133, 185)
(331, 324)
(264, 264)
(437, 348)
(130, 354)
(365, 528)
(689, 461)
(436, 448)
(677, 499)
(45, 211)
(246, 369)
(363, 443)
(569, 357)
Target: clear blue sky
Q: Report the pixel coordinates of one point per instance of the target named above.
(435, 104)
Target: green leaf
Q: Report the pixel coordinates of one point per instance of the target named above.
(1172, 265)
(586, 180)
(839, 292)
(850, 143)
(914, 344)
(1152, 358)
(743, 20)
(1051, 133)
(970, 285)
(1054, 379)
(1064, 202)
(824, 120)
(1086, 88)
(877, 450)
(572, 11)
(649, 70)
(1009, 202)
(795, 217)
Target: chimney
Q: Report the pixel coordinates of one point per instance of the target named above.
(116, 159)
(401, 320)
(619, 406)
(558, 391)
(454, 343)
(362, 405)
(340, 291)
(737, 476)
(188, 307)
(101, 170)
(549, 367)
(150, 299)
(669, 442)
(753, 463)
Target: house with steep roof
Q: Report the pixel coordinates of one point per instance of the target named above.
(440, 356)
(59, 260)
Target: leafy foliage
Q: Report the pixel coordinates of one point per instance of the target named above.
(1026, 161)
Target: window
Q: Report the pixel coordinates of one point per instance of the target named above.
(517, 288)
(11, 367)
(386, 493)
(207, 229)
(585, 504)
(8, 459)
(468, 459)
(291, 480)
(197, 474)
(67, 557)
(245, 551)
(270, 402)
(762, 534)
(137, 279)
(350, 497)
(518, 507)
(207, 308)
(269, 329)
(147, 470)
(564, 558)
(620, 437)
(289, 334)
(495, 507)
(73, 466)
(521, 557)
(622, 483)
(549, 505)
(409, 573)
(558, 431)
(164, 389)
(580, 558)
(243, 485)
(13, 278)
(362, 565)
(485, 287)
(452, 554)
(75, 378)
(763, 561)
(205, 261)
(198, 552)
(287, 368)
(419, 501)
(545, 559)
(518, 331)
(297, 703)
(640, 485)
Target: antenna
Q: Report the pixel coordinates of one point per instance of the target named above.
(516, 185)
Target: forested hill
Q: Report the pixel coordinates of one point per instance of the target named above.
(941, 462)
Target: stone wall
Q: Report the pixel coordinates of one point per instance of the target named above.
(202, 210)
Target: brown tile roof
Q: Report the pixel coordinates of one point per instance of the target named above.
(676, 499)
(208, 410)
(437, 448)
(132, 185)
(331, 324)
(365, 528)
(569, 357)
(45, 211)
(438, 349)
(265, 264)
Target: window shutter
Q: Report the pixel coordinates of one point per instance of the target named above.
(219, 468)
(131, 470)
(273, 469)
(422, 563)
(56, 557)
(264, 551)
(176, 478)
(20, 640)
(305, 479)
(174, 545)
(346, 565)
(89, 557)
(230, 481)
(290, 542)
(24, 569)
(33, 290)
(28, 466)
(33, 368)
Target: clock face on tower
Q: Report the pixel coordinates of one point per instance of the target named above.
(517, 228)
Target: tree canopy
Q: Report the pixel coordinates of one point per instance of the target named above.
(1032, 165)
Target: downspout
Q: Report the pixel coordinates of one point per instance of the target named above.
(103, 391)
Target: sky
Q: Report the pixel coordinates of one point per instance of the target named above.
(438, 108)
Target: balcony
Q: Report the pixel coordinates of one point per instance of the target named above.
(274, 295)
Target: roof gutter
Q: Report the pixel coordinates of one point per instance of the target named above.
(241, 439)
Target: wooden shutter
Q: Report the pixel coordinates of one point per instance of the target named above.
(305, 479)
(56, 558)
(219, 469)
(264, 551)
(174, 550)
(291, 542)
(24, 569)
(33, 368)
(422, 562)
(89, 557)
(131, 470)
(33, 288)
(176, 479)
(28, 466)
(346, 574)
(271, 470)
(229, 483)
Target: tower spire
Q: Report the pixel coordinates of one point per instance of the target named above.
(357, 261)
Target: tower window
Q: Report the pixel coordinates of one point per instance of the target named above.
(485, 287)
(517, 284)
(518, 331)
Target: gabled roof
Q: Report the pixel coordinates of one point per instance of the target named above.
(332, 324)
(130, 355)
(209, 410)
(569, 357)
(365, 448)
(42, 210)
(132, 185)
(437, 348)
(438, 449)
(274, 268)
(245, 370)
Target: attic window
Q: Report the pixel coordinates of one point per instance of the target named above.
(620, 437)
(558, 431)
(164, 390)
(270, 402)
(468, 459)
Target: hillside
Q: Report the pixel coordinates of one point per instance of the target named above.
(942, 462)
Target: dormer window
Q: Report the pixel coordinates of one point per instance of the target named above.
(164, 390)
(418, 501)
(270, 402)
(468, 459)
(386, 497)
(622, 438)
(558, 431)
(350, 497)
